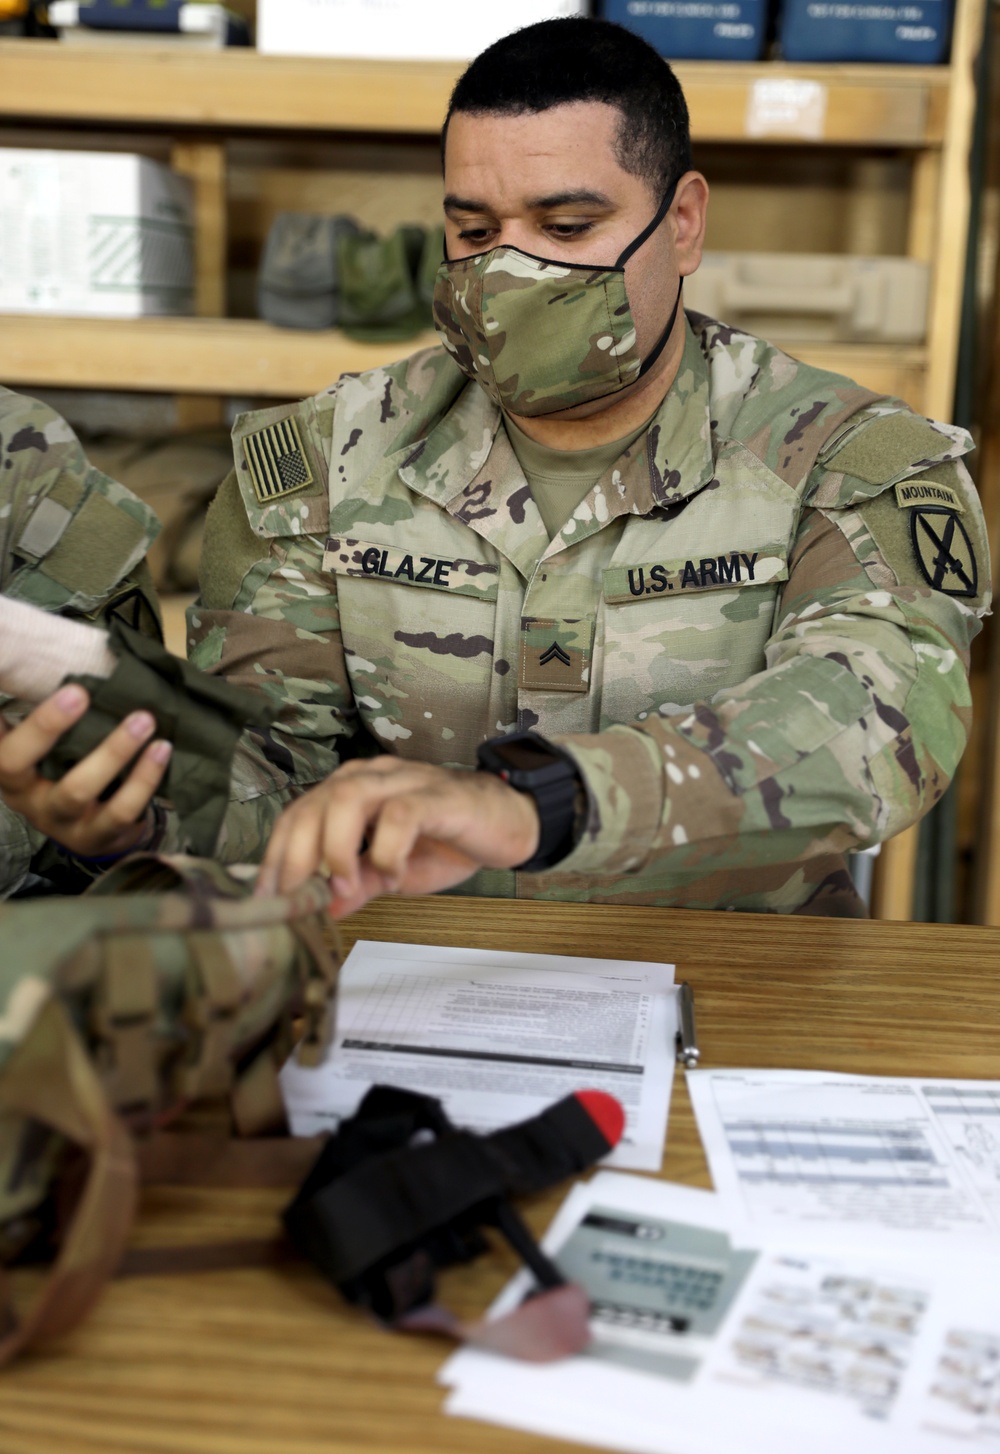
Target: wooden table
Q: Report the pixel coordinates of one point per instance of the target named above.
(270, 1361)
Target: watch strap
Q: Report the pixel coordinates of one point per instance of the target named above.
(554, 785)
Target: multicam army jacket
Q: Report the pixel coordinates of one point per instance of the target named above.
(751, 635)
(72, 540)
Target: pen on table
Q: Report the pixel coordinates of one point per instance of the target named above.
(687, 1036)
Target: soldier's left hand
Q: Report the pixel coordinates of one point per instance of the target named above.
(426, 829)
(72, 810)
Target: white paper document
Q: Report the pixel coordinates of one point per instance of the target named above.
(497, 1037)
(887, 1160)
(708, 1339)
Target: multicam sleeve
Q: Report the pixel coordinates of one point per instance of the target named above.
(272, 626)
(18, 843)
(852, 731)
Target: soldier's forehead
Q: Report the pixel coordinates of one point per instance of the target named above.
(564, 148)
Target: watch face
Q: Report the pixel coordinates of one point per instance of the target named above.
(525, 756)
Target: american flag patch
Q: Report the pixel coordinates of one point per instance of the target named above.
(276, 460)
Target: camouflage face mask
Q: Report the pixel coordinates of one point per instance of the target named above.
(541, 336)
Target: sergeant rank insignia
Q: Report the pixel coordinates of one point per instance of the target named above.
(276, 460)
(944, 551)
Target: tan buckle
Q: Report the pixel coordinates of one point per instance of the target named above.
(123, 1017)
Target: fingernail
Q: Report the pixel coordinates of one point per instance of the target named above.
(160, 752)
(140, 724)
(341, 886)
(70, 699)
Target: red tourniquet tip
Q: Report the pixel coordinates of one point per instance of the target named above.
(606, 1113)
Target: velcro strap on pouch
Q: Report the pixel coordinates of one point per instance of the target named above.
(210, 1013)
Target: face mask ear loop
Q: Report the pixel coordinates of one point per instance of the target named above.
(651, 358)
(648, 231)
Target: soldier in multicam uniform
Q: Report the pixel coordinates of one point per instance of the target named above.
(731, 595)
(72, 541)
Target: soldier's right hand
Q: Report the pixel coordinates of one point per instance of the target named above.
(71, 810)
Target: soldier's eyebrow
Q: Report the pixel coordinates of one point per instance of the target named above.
(463, 204)
(579, 197)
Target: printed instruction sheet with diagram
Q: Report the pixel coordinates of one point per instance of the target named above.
(497, 1037)
(709, 1337)
(892, 1158)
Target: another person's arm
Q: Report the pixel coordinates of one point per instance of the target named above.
(73, 810)
(268, 621)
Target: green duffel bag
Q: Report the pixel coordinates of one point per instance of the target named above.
(166, 984)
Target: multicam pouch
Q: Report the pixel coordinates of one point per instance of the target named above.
(165, 984)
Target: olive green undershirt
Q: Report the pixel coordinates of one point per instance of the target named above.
(560, 478)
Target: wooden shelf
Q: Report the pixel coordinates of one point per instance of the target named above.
(186, 355)
(192, 355)
(901, 106)
(897, 369)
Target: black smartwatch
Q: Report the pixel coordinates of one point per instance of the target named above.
(548, 775)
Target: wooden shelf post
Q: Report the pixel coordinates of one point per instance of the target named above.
(952, 212)
(203, 161)
(939, 222)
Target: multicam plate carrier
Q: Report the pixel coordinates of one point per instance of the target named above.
(165, 984)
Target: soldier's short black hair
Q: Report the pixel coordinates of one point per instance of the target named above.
(576, 59)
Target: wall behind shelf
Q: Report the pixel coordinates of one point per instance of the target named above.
(777, 198)
(782, 199)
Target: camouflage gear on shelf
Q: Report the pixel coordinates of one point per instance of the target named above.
(387, 283)
(320, 271)
(72, 540)
(734, 634)
(298, 282)
(166, 984)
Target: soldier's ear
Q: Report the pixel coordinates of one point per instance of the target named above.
(689, 215)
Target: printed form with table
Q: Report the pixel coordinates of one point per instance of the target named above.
(839, 1289)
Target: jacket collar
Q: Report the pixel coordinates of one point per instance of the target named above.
(466, 465)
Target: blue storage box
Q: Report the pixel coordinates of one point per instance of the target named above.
(864, 30)
(696, 30)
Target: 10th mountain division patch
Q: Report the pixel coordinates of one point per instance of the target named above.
(944, 551)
